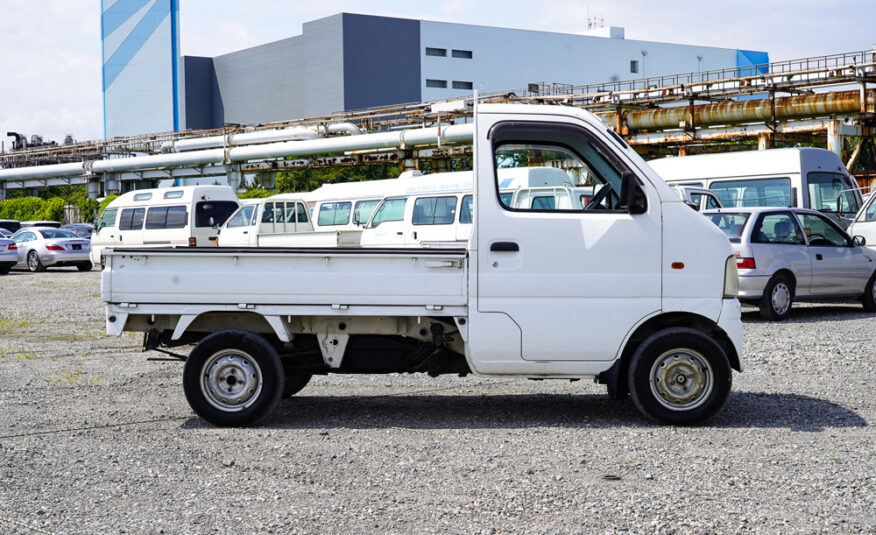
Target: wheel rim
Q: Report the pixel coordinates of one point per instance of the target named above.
(873, 291)
(231, 380)
(681, 379)
(781, 298)
(32, 261)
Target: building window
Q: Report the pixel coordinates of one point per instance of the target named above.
(441, 52)
(464, 54)
(634, 66)
(462, 85)
(436, 83)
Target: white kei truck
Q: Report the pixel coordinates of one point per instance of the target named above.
(635, 290)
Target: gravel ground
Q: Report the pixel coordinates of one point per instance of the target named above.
(96, 439)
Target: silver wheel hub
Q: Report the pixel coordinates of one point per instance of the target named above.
(781, 298)
(231, 380)
(681, 379)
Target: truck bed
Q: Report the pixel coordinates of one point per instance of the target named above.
(286, 276)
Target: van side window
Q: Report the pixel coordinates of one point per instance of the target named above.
(466, 209)
(160, 217)
(777, 228)
(434, 211)
(753, 192)
(390, 210)
(219, 211)
(108, 219)
(334, 213)
(364, 209)
(132, 219)
(556, 159)
(826, 188)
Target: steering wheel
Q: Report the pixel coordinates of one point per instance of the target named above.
(820, 239)
(594, 203)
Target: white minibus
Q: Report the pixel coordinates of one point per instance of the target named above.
(163, 217)
(793, 177)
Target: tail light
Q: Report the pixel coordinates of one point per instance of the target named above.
(53, 247)
(193, 242)
(13, 247)
(745, 263)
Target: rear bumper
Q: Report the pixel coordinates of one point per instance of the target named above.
(6, 258)
(751, 286)
(64, 258)
(730, 321)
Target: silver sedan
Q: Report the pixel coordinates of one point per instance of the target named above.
(39, 248)
(783, 254)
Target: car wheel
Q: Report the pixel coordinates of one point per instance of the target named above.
(233, 378)
(295, 382)
(5, 269)
(33, 262)
(869, 297)
(679, 376)
(775, 305)
(84, 266)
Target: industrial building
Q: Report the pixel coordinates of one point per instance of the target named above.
(349, 61)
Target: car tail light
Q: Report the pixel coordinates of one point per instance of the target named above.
(13, 247)
(193, 242)
(53, 247)
(745, 263)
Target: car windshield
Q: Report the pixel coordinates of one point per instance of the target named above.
(51, 234)
(729, 223)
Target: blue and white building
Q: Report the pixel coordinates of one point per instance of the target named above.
(350, 61)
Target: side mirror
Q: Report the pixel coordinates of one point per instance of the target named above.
(632, 196)
(839, 203)
(859, 241)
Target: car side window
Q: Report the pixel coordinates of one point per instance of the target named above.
(821, 232)
(777, 228)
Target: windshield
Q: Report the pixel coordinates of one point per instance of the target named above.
(51, 234)
(730, 224)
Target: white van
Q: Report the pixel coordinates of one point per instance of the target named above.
(163, 217)
(280, 221)
(795, 177)
(865, 222)
(437, 209)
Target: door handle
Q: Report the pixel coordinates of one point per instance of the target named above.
(504, 247)
(246, 232)
(818, 256)
(400, 233)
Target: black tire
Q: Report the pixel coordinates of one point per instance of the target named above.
(233, 378)
(84, 266)
(295, 383)
(5, 269)
(869, 297)
(695, 368)
(778, 296)
(33, 262)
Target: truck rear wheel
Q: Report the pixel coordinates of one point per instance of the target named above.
(233, 378)
(679, 376)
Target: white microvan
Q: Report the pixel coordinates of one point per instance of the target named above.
(280, 221)
(437, 209)
(795, 177)
(865, 223)
(163, 217)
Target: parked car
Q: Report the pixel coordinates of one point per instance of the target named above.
(865, 222)
(8, 255)
(42, 247)
(83, 230)
(787, 254)
(50, 224)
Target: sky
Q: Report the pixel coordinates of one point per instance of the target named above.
(50, 50)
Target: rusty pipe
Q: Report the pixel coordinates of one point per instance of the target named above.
(795, 107)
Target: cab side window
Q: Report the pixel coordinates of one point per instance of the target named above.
(777, 228)
(108, 219)
(542, 164)
(242, 217)
(390, 210)
(466, 209)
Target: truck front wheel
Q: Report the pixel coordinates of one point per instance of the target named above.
(679, 376)
(233, 378)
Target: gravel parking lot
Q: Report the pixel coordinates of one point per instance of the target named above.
(96, 439)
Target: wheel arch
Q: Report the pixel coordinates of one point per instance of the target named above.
(615, 378)
(215, 321)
